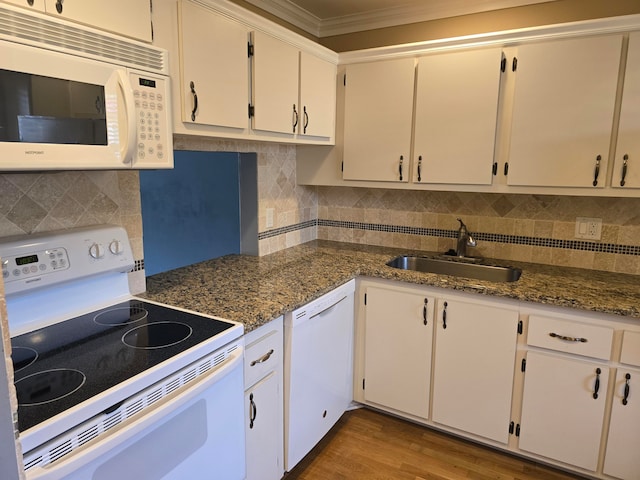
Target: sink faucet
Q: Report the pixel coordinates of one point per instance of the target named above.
(464, 240)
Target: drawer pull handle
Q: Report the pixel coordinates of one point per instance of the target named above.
(568, 339)
(263, 358)
(253, 411)
(596, 387)
(192, 86)
(625, 400)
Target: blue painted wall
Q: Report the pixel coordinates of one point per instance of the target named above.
(192, 212)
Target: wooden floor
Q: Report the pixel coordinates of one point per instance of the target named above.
(367, 445)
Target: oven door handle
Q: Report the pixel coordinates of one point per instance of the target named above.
(89, 453)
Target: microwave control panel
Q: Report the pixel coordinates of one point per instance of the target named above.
(151, 95)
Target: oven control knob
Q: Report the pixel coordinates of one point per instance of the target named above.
(115, 247)
(96, 250)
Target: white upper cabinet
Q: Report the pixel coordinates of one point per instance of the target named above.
(211, 95)
(275, 85)
(317, 96)
(626, 169)
(131, 18)
(455, 117)
(563, 110)
(377, 122)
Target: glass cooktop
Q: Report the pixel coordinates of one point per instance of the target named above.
(62, 365)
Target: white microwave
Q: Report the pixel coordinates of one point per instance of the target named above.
(76, 106)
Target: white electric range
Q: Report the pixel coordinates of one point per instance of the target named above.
(110, 385)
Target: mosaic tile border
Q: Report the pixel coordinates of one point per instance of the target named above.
(138, 265)
(444, 233)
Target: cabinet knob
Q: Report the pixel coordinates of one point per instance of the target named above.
(58, 5)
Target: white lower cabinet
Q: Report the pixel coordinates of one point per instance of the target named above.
(563, 408)
(398, 339)
(475, 347)
(264, 424)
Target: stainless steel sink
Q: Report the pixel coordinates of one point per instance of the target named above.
(458, 267)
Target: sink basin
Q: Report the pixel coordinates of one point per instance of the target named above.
(458, 267)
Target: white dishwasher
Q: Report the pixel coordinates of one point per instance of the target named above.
(318, 369)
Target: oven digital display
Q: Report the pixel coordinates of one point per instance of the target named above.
(27, 260)
(145, 82)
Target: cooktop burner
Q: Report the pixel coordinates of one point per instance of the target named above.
(157, 335)
(48, 386)
(91, 353)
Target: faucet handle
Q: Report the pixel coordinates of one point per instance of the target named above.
(462, 225)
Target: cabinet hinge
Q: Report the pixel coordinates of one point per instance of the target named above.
(523, 365)
(518, 430)
(520, 327)
(494, 169)
(252, 111)
(249, 49)
(363, 383)
(365, 298)
(506, 168)
(511, 427)
(514, 64)
(503, 64)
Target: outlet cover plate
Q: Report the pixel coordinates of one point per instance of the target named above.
(588, 228)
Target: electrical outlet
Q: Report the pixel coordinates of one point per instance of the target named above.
(270, 212)
(588, 228)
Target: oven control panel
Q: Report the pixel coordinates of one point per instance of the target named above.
(34, 263)
(40, 260)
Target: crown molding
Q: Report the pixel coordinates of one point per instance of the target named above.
(388, 17)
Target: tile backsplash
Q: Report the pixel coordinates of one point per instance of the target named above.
(529, 228)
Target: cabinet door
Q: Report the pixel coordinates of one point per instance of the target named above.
(377, 120)
(398, 345)
(626, 169)
(622, 460)
(263, 427)
(562, 416)
(563, 112)
(456, 112)
(131, 18)
(474, 361)
(214, 68)
(317, 96)
(275, 85)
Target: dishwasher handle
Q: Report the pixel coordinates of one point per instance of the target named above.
(327, 309)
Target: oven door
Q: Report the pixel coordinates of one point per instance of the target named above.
(198, 432)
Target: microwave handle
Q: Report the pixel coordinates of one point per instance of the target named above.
(127, 148)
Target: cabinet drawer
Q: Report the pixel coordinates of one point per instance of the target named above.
(263, 352)
(571, 337)
(630, 348)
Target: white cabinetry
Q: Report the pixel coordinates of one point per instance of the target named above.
(475, 345)
(398, 345)
(565, 396)
(131, 18)
(455, 117)
(317, 96)
(211, 95)
(621, 459)
(626, 169)
(377, 123)
(264, 402)
(562, 415)
(563, 110)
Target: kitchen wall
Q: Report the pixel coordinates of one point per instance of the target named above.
(529, 228)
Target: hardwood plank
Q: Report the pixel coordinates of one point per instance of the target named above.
(369, 445)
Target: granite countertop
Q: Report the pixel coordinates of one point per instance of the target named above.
(255, 290)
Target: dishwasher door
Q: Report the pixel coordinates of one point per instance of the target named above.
(318, 369)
